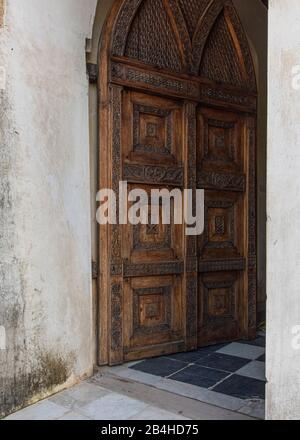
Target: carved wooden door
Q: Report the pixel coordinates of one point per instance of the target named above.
(177, 110)
(224, 141)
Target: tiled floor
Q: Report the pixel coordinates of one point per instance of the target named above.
(230, 376)
(224, 382)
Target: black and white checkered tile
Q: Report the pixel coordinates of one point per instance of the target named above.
(236, 369)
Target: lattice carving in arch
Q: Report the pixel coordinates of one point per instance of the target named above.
(192, 11)
(226, 58)
(152, 39)
(195, 37)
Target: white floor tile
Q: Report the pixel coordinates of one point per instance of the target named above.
(254, 408)
(254, 369)
(72, 415)
(79, 396)
(153, 413)
(113, 407)
(245, 351)
(44, 410)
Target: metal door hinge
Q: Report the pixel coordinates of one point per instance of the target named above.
(92, 71)
(95, 270)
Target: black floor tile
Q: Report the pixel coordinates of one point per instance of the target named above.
(242, 387)
(202, 352)
(223, 362)
(192, 356)
(189, 357)
(260, 341)
(262, 358)
(200, 376)
(159, 366)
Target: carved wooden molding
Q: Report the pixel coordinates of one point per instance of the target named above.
(191, 312)
(149, 80)
(243, 46)
(229, 182)
(116, 317)
(116, 99)
(181, 28)
(155, 175)
(191, 241)
(235, 264)
(152, 269)
(202, 32)
(252, 273)
(212, 95)
(142, 78)
(191, 280)
(122, 26)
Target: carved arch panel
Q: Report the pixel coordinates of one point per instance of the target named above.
(193, 37)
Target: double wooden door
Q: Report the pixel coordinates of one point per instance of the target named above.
(173, 292)
(162, 126)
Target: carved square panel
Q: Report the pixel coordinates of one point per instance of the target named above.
(219, 300)
(152, 129)
(152, 310)
(220, 142)
(219, 231)
(152, 237)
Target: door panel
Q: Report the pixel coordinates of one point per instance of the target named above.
(153, 255)
(222, 249)
(154, 134)
(153, 315)
(219, 306)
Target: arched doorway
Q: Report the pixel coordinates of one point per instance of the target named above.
(178, 109)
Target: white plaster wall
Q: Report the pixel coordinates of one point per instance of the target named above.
(283, 274)
(45, 241)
